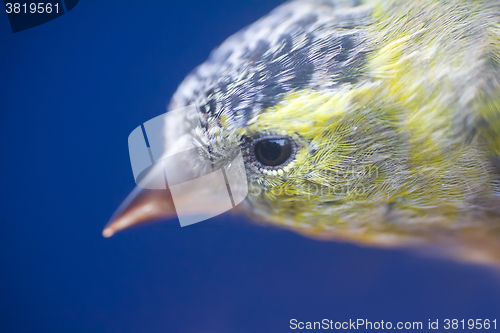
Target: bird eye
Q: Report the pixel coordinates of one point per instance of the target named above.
(274, 151)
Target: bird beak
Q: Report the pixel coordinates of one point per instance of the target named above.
(194, 192)
(191, 201)
(152, 199)
(141, 206)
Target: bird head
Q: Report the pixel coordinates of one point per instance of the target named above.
(356, 121)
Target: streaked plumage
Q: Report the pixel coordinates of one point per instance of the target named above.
(393, 108)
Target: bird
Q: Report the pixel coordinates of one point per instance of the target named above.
(375, 122)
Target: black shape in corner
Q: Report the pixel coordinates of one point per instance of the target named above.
(70, 4)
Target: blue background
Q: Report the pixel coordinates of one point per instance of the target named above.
(71, 92)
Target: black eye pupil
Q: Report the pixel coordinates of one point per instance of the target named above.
(273, 152)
